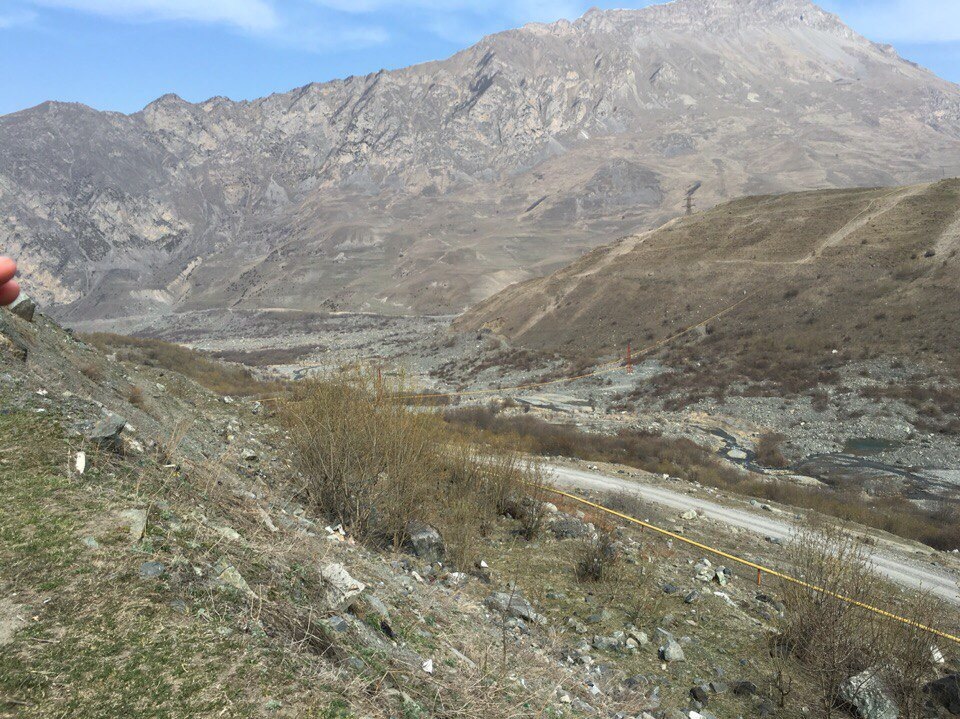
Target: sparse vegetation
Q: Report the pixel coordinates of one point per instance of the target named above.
(216, 376)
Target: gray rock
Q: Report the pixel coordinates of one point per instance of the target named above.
(700, 695)
(226, 576)
(149, 570)
(376, 605)
(513, 606)
(24, 307)
(566, 527)
(136, 521)
(340, 589)
(867, 694)
(106, 433)
(671, 651)
(338, 624)
(425, 541)
(744, 688)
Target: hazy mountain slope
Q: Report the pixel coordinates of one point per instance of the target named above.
(429, 188)
(848, 270)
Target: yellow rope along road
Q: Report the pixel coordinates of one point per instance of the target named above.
(748, 563)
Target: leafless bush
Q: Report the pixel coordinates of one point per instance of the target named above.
(768, 450)
(136, 397)
(836, 641)
(832, 638)
(598, 557)
(92, 372)
(375, 463)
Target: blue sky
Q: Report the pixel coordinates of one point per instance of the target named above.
(121, 54)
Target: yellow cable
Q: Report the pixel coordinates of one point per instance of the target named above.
(753, 565)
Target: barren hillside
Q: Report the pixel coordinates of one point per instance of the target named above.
(850, 272)
(429, 188)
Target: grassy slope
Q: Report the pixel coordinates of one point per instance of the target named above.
(840, 269)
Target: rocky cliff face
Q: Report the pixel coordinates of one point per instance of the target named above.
(428, 188)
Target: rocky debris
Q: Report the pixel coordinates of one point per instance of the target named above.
(689, 514)
(564, 526)
(340, 589)
(744, 688)
(945, 692)
(867, 693)
(706, 572)
(424, 541)
(106, 433)
(513, 605)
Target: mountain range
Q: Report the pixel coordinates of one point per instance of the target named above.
(430, 188)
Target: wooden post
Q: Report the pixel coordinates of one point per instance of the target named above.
(758, 577)
(629, 361)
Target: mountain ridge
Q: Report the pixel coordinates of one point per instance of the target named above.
(456, 177)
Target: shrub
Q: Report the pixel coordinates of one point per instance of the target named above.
(598, 558)
(374, 463)
(136, 397)
(92, 372)
(768, 450)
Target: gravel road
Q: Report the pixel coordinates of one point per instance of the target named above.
(910, 572)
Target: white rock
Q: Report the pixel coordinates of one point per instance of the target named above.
(80, 463)
(340, 589)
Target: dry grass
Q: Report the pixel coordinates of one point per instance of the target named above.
(214, 375)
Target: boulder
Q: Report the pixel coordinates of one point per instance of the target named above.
(425, 541)
(671, 651)
(340, 589)
(866, 693)
(24, 307)
(513, 606)
(227, 576)
(106, 433)
(566, 527)
(945, 692)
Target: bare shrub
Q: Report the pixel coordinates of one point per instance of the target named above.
(374, 463)
(369, 461)
(598, 557)
(92, 372)
(136, 397)
(768, 450)
(834, 640)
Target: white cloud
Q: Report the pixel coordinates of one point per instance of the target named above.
(908, 21)
(252, 15)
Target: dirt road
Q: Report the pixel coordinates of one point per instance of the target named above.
(914, 572)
